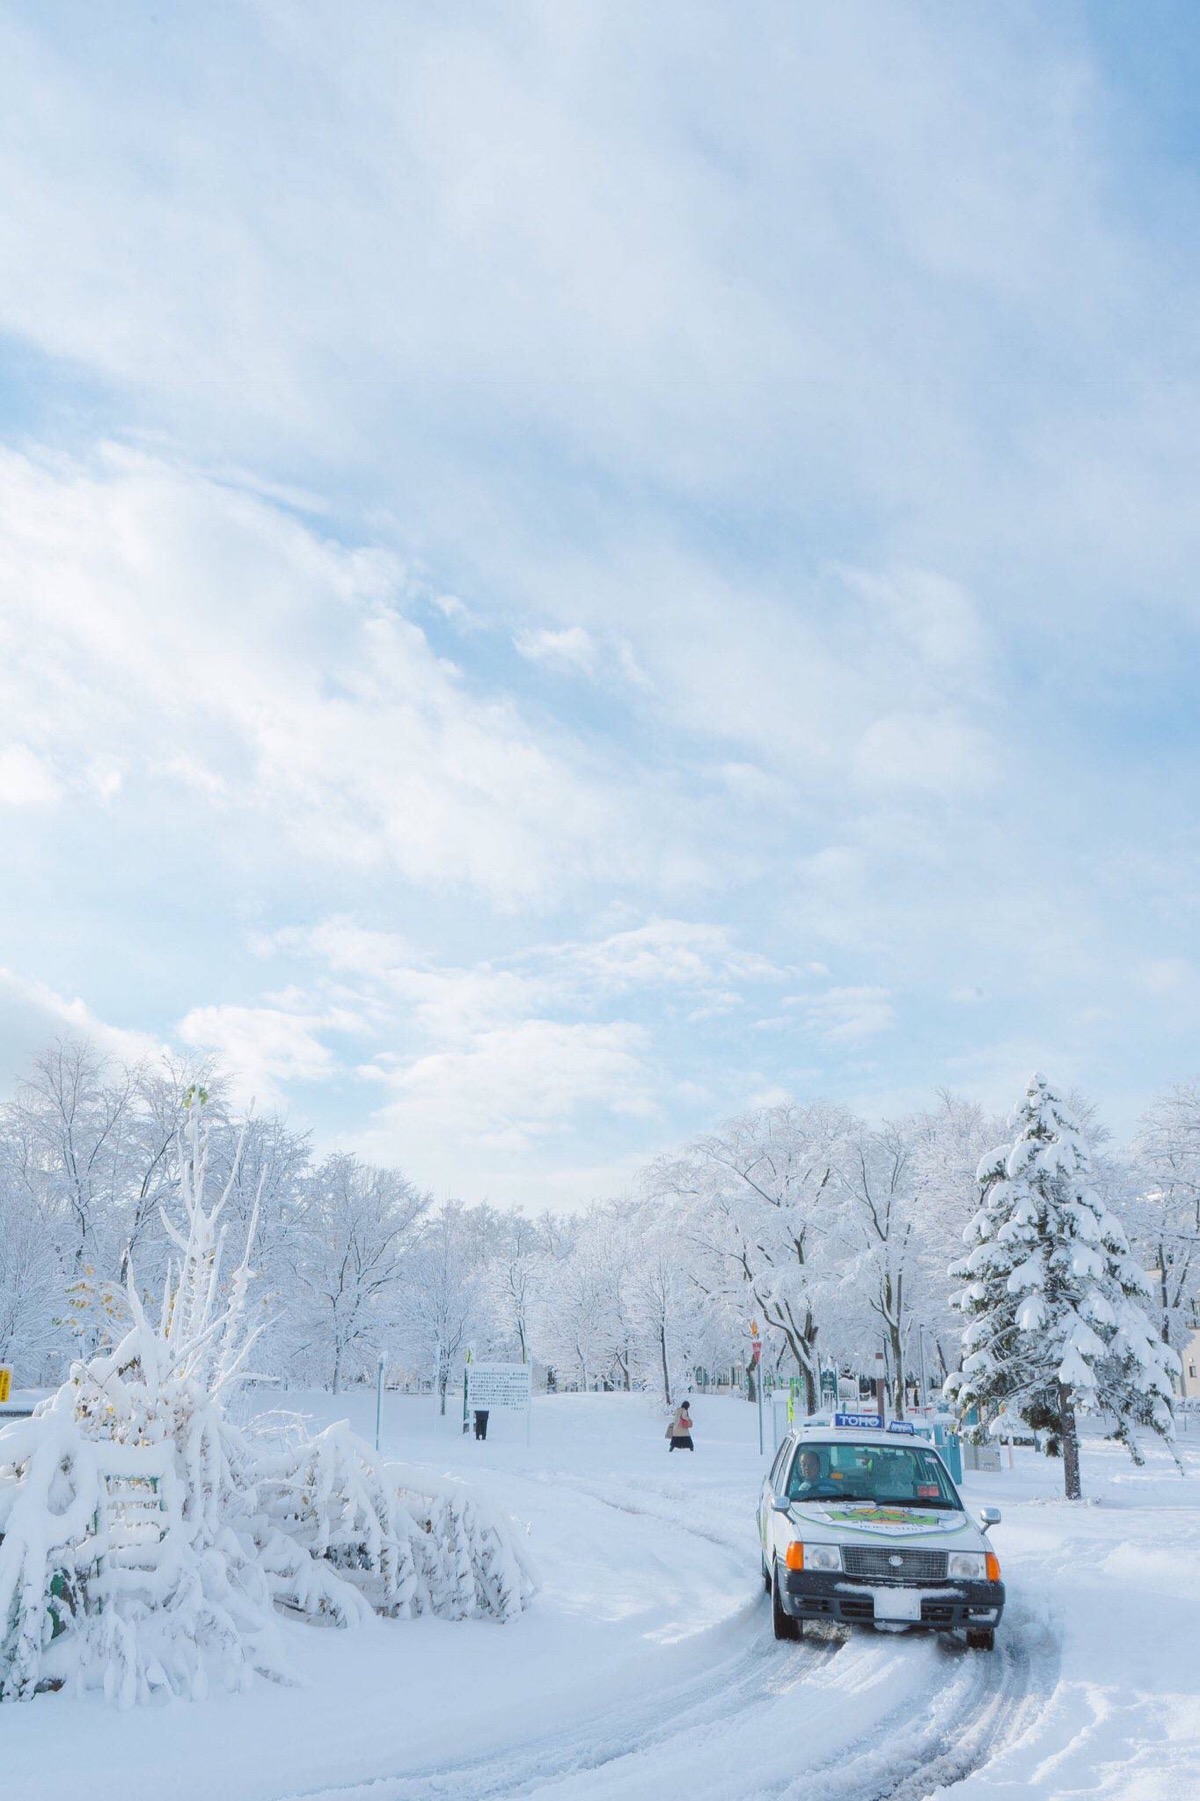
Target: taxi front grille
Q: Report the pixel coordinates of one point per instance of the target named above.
(894, 1565)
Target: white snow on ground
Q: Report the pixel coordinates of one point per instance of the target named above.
(646, 1668)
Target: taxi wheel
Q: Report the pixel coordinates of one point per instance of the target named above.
(783, 1624)
(981, 1638)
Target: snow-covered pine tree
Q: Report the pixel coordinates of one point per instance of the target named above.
(1055, 1304)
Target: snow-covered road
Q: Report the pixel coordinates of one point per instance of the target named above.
(647, 1667)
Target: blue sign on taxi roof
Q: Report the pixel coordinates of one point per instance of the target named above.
(858, 1420)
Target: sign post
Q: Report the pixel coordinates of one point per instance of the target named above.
(5, 1383)
(379, 1399)
(498, 1387)
(756, 1366)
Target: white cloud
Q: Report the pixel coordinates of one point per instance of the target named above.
(743, 364)
(262, 1048)
(456, 610)
(697, 959)
(490, 1074)
(164, 624)
(848, 1015)
(934, 616)
(513, 1085)
(1168, 990)
(25, 780)
(665, 952)
(32, 1014)
(572, 649)
(1169, 978)
(770, 1096)
(104, 776)
(937, 751)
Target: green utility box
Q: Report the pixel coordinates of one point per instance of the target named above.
(950, 1445)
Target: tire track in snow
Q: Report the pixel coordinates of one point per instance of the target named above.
(979, 1705)
(774, 1699)
(641, 1509)
(722, 1690)
(989, 1701)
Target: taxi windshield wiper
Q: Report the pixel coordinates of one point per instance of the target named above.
(912, 1501)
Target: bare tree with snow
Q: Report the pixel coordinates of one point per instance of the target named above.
(355, 1235)
(761, 1197)
(1165, 1212)
(145, 1541)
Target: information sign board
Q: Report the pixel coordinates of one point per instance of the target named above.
(498, 1385)
(5, 1383)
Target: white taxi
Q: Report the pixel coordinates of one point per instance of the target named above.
(864, 1525)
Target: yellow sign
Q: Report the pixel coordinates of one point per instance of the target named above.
(5, 1383)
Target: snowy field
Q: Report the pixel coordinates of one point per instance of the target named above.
(646, 1667)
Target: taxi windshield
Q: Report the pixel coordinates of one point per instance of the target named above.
(889, 1475)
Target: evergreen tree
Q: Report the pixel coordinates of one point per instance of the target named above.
(1054, 1302)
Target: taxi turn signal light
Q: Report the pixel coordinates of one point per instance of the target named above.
(993, 1567)
(795, 1555)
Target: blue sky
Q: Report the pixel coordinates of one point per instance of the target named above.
(567, 570)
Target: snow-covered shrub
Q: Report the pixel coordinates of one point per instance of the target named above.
(147, 1541)
(1055, 1303)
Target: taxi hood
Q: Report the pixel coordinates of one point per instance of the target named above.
(877, 1520)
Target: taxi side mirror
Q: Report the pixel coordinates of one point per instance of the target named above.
(989, 1516)
(779, 1503)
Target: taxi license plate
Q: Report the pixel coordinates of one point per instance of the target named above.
(900, 1604)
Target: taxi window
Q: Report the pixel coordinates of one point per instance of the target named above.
(889, 1474)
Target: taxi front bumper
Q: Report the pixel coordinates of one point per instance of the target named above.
(949, 1606)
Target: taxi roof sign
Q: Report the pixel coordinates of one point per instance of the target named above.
(868, 1422)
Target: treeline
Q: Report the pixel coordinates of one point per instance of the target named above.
(834, 1233)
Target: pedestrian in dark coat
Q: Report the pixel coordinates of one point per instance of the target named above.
(680, 1430)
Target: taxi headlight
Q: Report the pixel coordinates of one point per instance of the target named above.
(822, 1557)
(967, 1566)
